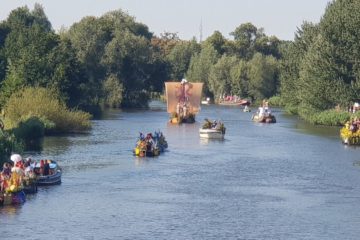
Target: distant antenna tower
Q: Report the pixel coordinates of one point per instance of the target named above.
(201, 29)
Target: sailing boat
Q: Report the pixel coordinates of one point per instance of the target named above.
(183, 100)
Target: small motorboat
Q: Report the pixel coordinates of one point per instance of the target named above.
(264, 119)
(54, 176)
(211, 133)
(246, 109)
(212, 130)
(206, 101)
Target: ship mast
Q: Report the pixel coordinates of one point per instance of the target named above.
(201, 30)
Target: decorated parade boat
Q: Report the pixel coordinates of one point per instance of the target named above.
(212, 129)
(183, 100)
(150, 145)
(22, 177)
(266, 118)
(350, 133)
(263, 114)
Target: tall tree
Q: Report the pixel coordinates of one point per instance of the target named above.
(292, 57)
(217, 41)
(245, 37)
(263, 76)
(239, 74)
(220, 76)
(329, 74)
(201, 64)
(180, 56)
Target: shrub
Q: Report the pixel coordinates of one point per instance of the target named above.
(8, 145)
(331, 118)
(139, 99)
(328, 117)
(276, 101)
(31, 131)
(44, 104)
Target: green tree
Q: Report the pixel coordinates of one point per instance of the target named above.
(200, 64)
(239, 75)
(113, 91)
(245, 37)
(217, 41)
(220, 76)
(292, 57)
(263, 76)
(180, 56)
(329, 72)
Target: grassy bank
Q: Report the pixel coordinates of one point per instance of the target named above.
(34, 106)
(32, 113)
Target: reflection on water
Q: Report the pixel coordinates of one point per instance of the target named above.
(287, 180)
(10, 210)
(307, 128)
(206, 141)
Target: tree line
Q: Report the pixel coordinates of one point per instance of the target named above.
(115, 61)
(320, 69)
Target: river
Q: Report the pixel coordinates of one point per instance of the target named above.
(288, 180)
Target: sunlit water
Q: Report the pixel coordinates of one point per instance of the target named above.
(287, 180)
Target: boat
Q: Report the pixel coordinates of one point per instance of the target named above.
(151, 145)
(264, 115)
(241, 102)
(12, 198)
(212, 130)
(246, 109)
(13, 189)
(183, 100)
(350, 136)
(233, 101)
(54, 176)
(206, 101)
(264, 119)
(30, 185)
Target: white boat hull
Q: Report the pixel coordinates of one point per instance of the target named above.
(211, 133)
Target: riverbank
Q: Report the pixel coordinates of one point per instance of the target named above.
(33, 113)
(331, 117)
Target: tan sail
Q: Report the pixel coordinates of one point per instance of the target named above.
(189, 93)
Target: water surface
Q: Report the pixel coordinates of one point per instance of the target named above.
(288, 180)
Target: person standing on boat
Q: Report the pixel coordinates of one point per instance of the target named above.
(261, 111)
(46, 167)
(42, 167)
(5, 176)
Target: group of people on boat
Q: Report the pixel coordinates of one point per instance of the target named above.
(150, 145)
(354, 107)
(20, 174)
(350, 133)
(353, 125)
(263, 114)
(229, 98)
(183, 110)
(215, 125)
(183, 107)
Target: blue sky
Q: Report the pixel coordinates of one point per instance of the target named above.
(278, 17)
